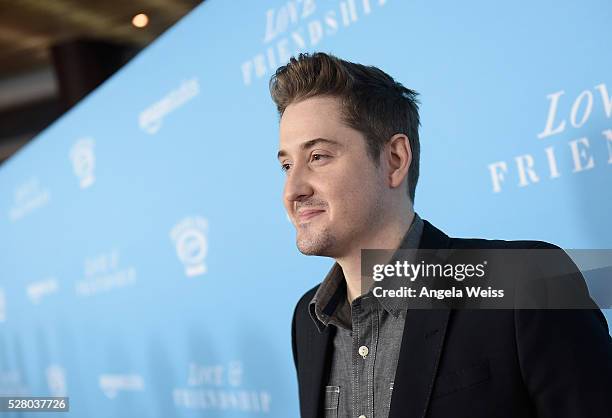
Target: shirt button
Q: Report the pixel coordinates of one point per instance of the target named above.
(363, 352)
(362, 416)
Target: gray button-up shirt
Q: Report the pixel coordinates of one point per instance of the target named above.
(366, 344)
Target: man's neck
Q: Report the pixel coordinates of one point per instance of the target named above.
(388, 238)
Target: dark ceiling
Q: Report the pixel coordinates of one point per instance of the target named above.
(29, 27)
(29, 31)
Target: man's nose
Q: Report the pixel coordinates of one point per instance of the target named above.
(297, 185)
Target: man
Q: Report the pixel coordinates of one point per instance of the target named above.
(349, 146)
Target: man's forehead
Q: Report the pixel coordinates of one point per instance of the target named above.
(308, 124)
(308, 144)
(299, 126)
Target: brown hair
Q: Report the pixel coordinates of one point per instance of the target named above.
(373, 103)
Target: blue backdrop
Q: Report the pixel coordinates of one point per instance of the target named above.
(147, 266)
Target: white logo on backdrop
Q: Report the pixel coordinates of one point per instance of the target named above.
(585, 152)
(2, 306)
(56, 380)
(150, 119)
(189, 236)
(103, 274)
(28, 196)
(219, 387)
(11, 384)
(299, 25)
(84, 161)
(37, 290)
(111, 384)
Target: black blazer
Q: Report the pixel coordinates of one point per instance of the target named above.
(478, 363)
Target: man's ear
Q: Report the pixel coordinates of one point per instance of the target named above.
(398, 154)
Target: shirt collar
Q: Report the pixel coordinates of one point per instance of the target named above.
(330, 304)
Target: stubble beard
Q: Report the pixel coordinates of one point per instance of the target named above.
(326, 243)
(320, 243)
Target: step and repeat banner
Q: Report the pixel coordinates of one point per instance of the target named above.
(147, 266)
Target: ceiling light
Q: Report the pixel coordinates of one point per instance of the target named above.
(140, 20)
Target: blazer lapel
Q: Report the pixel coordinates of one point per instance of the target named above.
(422, 344)
(419, 356)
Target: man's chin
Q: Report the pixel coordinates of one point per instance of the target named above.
(322, 246)
(307, 250)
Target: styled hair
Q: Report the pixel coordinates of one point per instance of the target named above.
(372, 102)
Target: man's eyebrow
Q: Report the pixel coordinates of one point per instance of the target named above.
(309, 144)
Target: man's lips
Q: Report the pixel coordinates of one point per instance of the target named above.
(307, 214)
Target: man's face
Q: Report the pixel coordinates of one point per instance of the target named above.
(333, 191)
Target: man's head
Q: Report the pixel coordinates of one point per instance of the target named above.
(349, 145)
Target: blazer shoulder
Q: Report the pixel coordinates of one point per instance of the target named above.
(481, 243)
(436, 238)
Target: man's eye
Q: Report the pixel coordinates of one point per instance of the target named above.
(285, 167)
(319, 157)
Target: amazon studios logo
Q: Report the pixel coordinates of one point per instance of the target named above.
(150, 120)
(112, 384)
(83, 161)
(189, 237)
